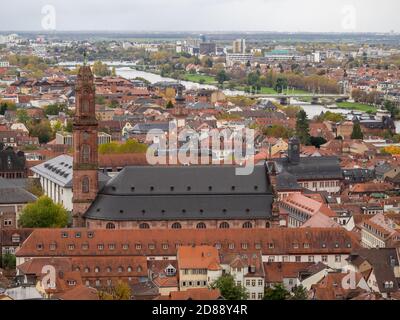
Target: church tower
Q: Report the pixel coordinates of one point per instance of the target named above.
(294, 150)
(85, 166)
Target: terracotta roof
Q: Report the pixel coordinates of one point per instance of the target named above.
(164, 242)
(308, 205)
(371, 187)
(198, 257)
(320, 220)
(275, 272)
(330, 287)
(80, 292)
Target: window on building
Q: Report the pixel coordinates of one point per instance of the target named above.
(165, 246)
(338, 258)
(85, 184)
(110, 225)
(247, 225)
(176, 225)
(144, 226)
(97, 269)
(138, 246)
(260, 283)
(85, 153)
(100, 246)
(201, 225)
(224, 225)
(298, 258)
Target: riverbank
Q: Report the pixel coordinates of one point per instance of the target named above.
(357, 107)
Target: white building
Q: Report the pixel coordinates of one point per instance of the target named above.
(56, 179)
(243, 58)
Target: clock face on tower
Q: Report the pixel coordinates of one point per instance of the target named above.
(295, 147)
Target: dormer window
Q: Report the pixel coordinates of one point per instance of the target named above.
(170, 271)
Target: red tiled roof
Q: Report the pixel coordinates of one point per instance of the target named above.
(164, 242)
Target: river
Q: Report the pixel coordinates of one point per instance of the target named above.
(130, 73)
(124, 70)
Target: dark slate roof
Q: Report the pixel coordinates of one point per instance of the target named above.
(286, 181)
(311, 168)
(11, 193)
(59, 170)
(143, 128)
(172, 193)
(383, 262)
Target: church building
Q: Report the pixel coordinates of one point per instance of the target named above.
(160, 197)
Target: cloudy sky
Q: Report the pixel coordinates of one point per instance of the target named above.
(202, 15)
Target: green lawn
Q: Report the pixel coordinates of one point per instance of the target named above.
(199, 77)
(266, 90)
(356, 106)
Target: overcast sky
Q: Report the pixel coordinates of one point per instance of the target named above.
(203, 15)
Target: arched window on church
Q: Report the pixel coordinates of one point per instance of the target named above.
(247, 225)
(85, 106)
(85, 185)
(176, 225)
(201, 225)
(85, 153)
(224, 225)
(110, 225)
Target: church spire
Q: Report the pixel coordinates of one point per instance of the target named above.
(85, 163)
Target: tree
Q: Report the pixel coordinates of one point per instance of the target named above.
(302, 127)
(281, 84)
(278, 292)
(170, 105)
(43, 213)
(122, 291)
(42, 130)
(54, 109)
(229, 289)
(330, 116)
(130, 146)
(391, 107)
(22, 116)
(317, 141)
(4, 106)
(357, 133)
(8, 261)
(222, 77)
(278, 131)
(299, 293)
(101, 69)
